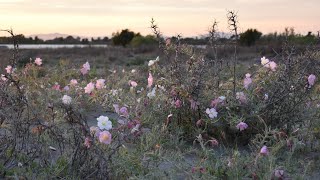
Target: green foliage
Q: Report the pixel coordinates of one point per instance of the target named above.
(249, 37)
(143, 40)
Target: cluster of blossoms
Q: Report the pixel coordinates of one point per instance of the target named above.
(268, 64)
(101, 132)
(9, 69)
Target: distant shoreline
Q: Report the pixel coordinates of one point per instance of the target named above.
(52, 46)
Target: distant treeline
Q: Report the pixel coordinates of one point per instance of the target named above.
(126, 37)
(59, 40)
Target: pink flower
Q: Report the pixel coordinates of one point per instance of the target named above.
(247, 81)
(124, 111)
(178, 103)
(100, 83)
(87, 142)
(3, 78)
(85, 68)
(213, 142)
(264, 151)
(241, 97)
(279, 173)
(73, 82)
(272, 66)
(133, 123)
(56, 87)
(84, 71)
(217, 101)
(116, 108)
(133, 83)
(150, 80)
(38, 61)
(89, 88)
(202, 170)
(66, 88)
(242, 126)
(199, 123)
(9, 69)
(311, 80)
(105, 137)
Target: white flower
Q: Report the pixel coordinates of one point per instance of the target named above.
(222, 98)
(212, 113)
(161, 87)
(66, 99)
(133, 71)
(104, 123)
(265, 61)
(152, 93)
(3, 77)
(151, 62)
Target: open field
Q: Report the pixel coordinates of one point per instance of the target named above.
(189, 114)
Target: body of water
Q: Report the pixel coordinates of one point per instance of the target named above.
(52, 46)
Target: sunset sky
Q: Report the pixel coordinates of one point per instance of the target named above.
(188, 17)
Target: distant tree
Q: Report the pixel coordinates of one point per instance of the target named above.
(123, 38)
(85, 41)
(249, 37)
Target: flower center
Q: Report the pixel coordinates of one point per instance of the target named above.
(104, 137)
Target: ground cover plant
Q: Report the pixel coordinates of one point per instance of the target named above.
(187, 114)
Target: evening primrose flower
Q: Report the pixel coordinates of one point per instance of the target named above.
(124, 111)
(265, 61)
(38, 61)
(85, 68)
(9, 69)
(56, 87)
(87, 142)
(150, 80)
(66, 99)
(100, 83)
(242, 126)
(212, 113)
(152, 62)
(133, 83)
(73, 82)
(264, 151)
(279, 173)
(105, 137)
(241, 97)
(178, 103)
(311, 80)
(104, 123)
(247, 81)
(89, 88)
(272, 65)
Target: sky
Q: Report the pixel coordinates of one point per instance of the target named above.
(186, 17)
